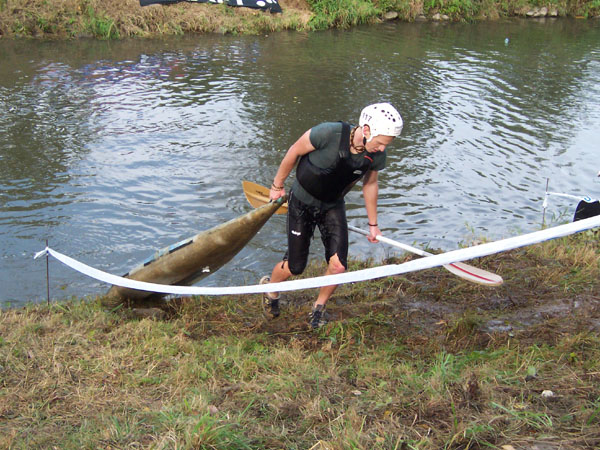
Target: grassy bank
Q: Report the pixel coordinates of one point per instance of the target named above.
(112, 19)
(423, 361)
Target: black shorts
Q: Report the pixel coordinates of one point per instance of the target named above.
(301, 222)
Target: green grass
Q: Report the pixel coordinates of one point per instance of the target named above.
(101, 26)
(406, 362)
(341, 13)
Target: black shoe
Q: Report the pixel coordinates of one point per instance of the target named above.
(316, 318)
(270, 305)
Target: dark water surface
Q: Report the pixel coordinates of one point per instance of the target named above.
(111, 150)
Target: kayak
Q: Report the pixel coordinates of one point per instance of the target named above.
(190, 260)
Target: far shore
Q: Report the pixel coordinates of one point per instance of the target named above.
(111, 19)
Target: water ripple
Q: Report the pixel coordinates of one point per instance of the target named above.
(119, 149)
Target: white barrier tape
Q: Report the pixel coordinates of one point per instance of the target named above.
(348, 277)
(42, 253)
(586, 198)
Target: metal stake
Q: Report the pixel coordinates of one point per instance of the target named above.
(544, 204)
(47, 276)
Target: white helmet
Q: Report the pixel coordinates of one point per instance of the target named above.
(382, 118)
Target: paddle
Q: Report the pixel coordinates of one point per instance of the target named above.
(462, 270)
(258, 195)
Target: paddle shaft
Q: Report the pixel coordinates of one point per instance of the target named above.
(380, 238)
(459, 269)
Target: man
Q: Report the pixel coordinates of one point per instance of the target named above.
(333, 157)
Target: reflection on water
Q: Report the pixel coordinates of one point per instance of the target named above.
(111, 150)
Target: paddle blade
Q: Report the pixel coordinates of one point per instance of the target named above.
(258, 195)
(474, 274)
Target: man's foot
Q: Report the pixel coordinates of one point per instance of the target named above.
(316, 318)
(270, 305)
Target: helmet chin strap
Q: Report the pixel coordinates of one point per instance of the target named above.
(365, 140)
(360, 148)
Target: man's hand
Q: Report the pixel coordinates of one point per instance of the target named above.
(276, 193)
(375, 231)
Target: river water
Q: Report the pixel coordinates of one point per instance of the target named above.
(111, 150)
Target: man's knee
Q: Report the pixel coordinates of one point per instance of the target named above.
(336, 266)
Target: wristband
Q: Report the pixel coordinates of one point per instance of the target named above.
(373, 225)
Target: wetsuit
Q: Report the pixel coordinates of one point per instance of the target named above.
(323, 177)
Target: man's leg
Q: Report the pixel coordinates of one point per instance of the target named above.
(300, 229)
(281, 272)
(334, 234)
(271, 299)
(334, 267)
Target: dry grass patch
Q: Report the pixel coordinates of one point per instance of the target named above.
(110, 19)
(425, 361)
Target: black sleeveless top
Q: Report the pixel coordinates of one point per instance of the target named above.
(333, 183)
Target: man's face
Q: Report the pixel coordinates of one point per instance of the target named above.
(379, 143)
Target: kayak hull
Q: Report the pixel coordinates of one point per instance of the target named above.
(188, 261)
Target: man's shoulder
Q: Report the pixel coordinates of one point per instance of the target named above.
(326, 133)
(332, 127)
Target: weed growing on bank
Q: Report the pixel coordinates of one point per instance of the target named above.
(425, 360)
